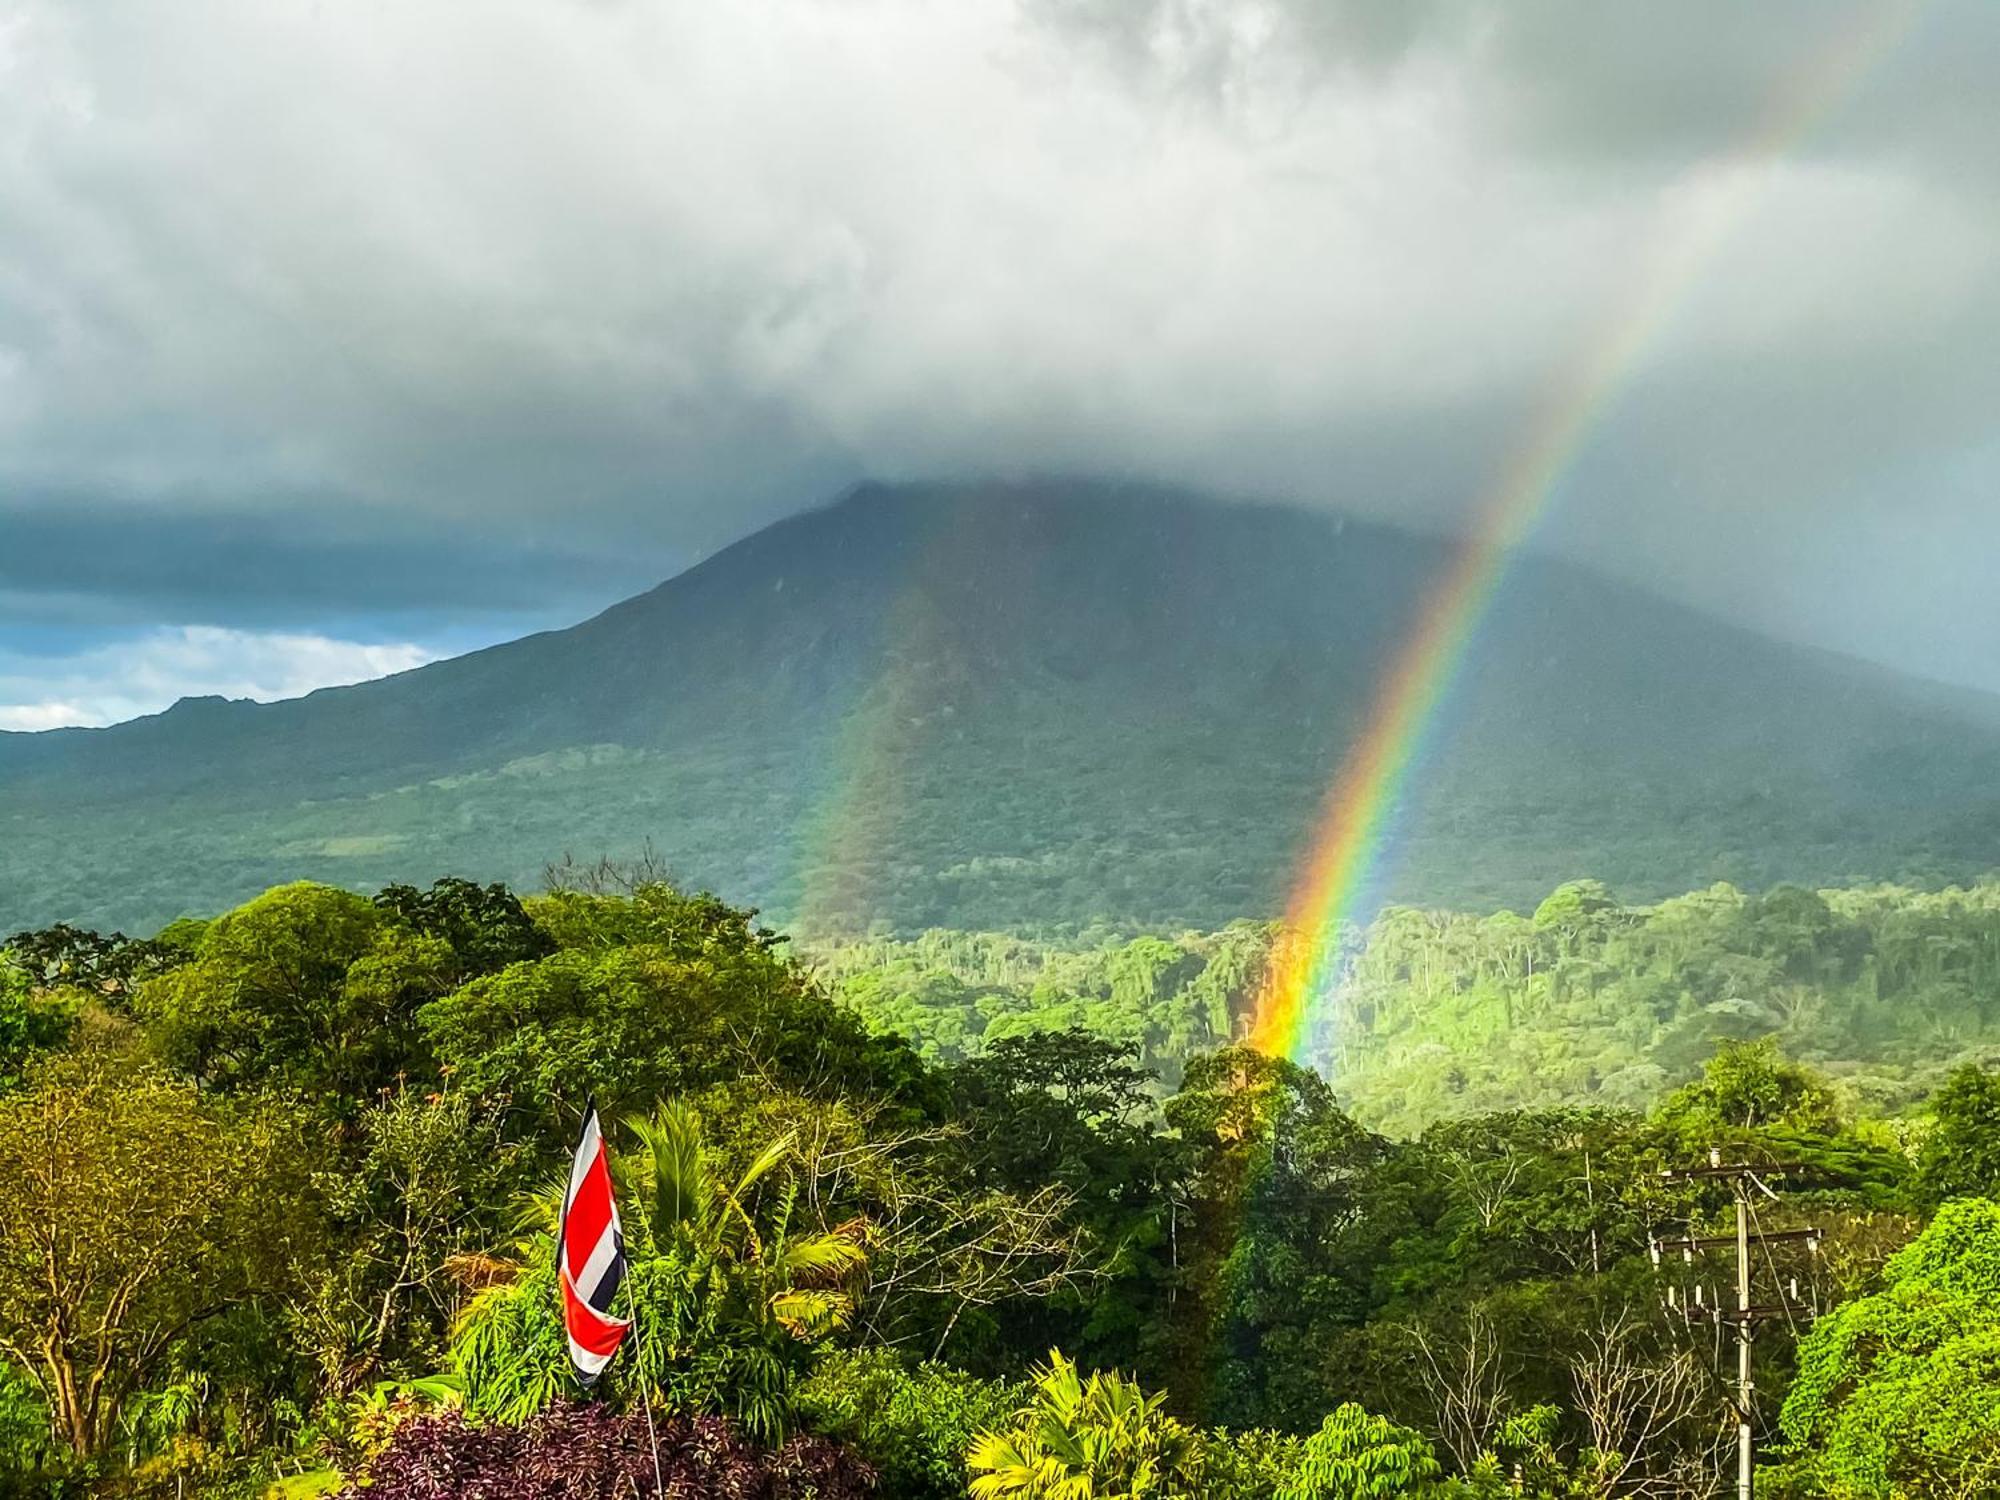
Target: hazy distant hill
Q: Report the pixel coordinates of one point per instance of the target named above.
(1026, 706)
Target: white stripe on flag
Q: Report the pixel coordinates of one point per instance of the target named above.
(598, 1265)
(586, 1153)
(588, 1365)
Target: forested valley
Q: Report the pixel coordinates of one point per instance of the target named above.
(973, 1214)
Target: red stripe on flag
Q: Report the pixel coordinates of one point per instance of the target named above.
(589, 1214)
(592, 1331)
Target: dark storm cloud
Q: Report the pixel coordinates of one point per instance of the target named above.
(105, 565)
(311, 300)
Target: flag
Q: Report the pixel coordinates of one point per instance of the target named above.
(590, 1257)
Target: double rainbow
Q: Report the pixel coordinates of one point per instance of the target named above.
(1331, 889)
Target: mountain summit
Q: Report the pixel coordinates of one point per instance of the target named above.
(1030, 705)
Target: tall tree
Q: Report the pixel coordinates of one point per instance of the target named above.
(134, 1211)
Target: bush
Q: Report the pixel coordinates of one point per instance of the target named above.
(913, 1426)
(1357, 1456)
(588, 1452)
(1251, 1464)
(1080, 1439)
(26, 1449)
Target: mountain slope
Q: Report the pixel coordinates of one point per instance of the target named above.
(1021, 706)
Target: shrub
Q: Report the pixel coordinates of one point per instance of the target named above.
(1086, 1438)
(588, 1452)
(1356, 1456)
(913, 1425)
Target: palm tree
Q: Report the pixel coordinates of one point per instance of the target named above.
(725, 1297)
(796, 1276)
(1103, 1438)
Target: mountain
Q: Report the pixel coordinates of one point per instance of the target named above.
(1028, 706)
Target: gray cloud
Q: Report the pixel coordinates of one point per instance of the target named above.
(299, 301)
(290, 566)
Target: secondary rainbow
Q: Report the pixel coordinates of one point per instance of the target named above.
(1360, 808)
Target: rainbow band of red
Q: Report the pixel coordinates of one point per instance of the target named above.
(1360, 807)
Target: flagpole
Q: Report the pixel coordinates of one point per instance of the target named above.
(587, 1158)
(639, 1368)
(646, 1399)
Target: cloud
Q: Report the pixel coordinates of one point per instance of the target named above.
(71, 561)
(124, 678)
(369, 286)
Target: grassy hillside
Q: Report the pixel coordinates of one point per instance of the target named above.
(1027, 708)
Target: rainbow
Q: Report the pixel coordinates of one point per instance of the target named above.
(848, 837)
(1336, 877)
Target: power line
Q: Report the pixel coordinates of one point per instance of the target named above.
(1747, 1313)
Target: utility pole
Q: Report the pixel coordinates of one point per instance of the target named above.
(1745, 1315)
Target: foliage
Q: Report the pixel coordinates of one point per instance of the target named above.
(1251, 1463)
(106, 965)
(135, 1211)
(1273, 1172)
(305, 986)
(960, 995)
(696, 996)
(486, 926)
(27, 1448)
(578, 1452)
(414, 1196)
(1072, 1109)
(913, 1425)
(1355, 1456)
(1960, 1154)
(727, 1296)
(956, 1261)
(1744, 1086)
(1898, 1393)
(32, 1021)
(1450, 1014)
(1081, 1438)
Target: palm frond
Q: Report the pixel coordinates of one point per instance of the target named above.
(538, 1207)
(766, 1159)
(822, 1255)
(681, 1192)
(806, 1314)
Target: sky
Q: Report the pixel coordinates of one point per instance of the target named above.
(337, 335)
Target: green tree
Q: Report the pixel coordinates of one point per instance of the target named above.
(1745, 1087)
(1960, 1154)
(67, 957)
(631, 1024)
(486, 925)
(1898, 1393)
(1272, 1175)
(914, 1425)
(135, 1211)
(417, 1191)
(306, 985)
(32, 1021)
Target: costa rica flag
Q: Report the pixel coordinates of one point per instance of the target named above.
(590, 1257)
